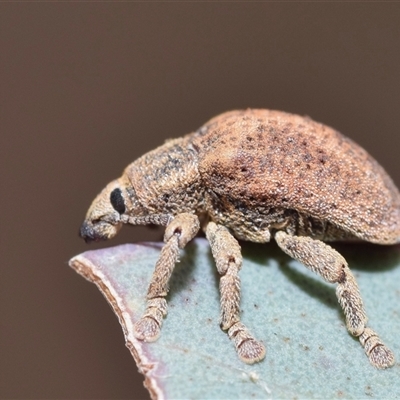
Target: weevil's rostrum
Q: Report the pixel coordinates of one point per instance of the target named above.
(256, 175)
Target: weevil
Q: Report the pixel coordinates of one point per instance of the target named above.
(255, 175)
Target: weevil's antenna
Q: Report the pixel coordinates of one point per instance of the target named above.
(156, 219)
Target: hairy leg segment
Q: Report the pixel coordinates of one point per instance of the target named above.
(331, 266)
(228, 258)
(178, 233)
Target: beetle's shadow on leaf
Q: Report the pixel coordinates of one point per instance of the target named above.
(323, 292)
(262, 253)
(182, 275)
(314, 287)
(360, 256)
(369, 257)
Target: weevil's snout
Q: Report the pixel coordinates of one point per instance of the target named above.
(93, 233)
(99, 229)
(86, 232)
(103, 219)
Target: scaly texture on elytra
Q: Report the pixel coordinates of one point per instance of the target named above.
(255, 175)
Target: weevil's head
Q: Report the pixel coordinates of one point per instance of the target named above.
(103, 219)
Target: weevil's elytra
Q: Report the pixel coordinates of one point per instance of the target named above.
(256, 175)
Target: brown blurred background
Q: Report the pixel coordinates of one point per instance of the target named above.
(88, 87)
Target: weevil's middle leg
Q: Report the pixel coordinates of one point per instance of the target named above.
(178, 233)
(328, 263)
(228, 257)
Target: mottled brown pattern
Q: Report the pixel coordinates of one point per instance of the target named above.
(288, 161)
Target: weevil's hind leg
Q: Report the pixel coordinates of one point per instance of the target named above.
(178, 233)
(228, 257)
(327, 262)
(379, 355)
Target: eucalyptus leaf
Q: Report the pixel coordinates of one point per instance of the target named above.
(293, 312)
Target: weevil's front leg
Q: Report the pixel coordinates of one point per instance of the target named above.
(228, 257)
(327, 262)
(178, 233)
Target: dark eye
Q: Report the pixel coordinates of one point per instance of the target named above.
(117, 201)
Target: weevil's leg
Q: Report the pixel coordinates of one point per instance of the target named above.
(178, 233)
(228, 257)
(327, 262)
(379, 355)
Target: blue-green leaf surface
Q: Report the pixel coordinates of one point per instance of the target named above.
(310, 354)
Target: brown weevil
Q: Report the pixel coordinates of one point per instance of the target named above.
(255, 175)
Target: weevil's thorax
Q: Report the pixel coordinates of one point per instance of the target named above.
(166, 180)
